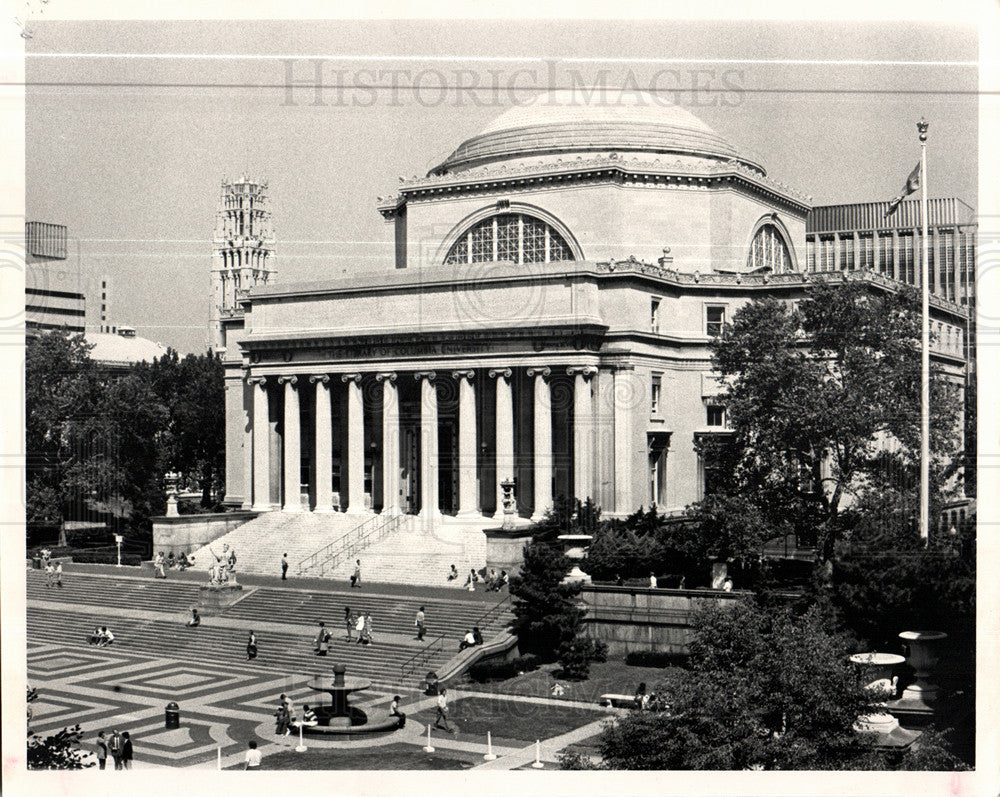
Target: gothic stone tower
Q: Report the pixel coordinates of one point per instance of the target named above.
(243, 251)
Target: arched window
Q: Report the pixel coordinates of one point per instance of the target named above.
(510, 236)
(769, 250)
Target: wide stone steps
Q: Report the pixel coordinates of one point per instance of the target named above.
(391, 614)
(260, 543)
(287, 653)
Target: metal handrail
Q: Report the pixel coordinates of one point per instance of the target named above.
(332, 553)
(437, 644)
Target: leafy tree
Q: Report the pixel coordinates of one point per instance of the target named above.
(814, 392)
(59, 751)
(546, 613)
(763, 690)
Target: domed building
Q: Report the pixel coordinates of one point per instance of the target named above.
(557, 281)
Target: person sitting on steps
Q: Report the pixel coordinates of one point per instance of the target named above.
(453, 573)
(468, 641)
(195, 620)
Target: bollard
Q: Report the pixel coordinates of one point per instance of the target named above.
(172, 716)
(302, 747)
(538, 755)
(490, 755)
(429, 748)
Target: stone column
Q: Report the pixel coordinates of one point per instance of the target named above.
(261, 447)
(583, 425)
(543, 442)
(626, 395)
(505, 432)
(355, 445)
(293, 465)
(390, 443)
(428, 445)
(468, 505)
(324, 444)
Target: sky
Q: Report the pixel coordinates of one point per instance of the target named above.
(131, 126)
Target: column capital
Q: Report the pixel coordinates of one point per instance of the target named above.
(257, 380)
(384, 375)
(291, 380)
(428, 375)
(324, 378)
(506, 373)
(466, 374)
(544, 371)
(351, 378)
(586, 371)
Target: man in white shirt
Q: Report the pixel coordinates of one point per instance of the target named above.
(442, 713)
(254, 756)
(468, 641)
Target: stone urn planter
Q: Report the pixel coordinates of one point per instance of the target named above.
(924, 655)
(575, 548)
(876, 671)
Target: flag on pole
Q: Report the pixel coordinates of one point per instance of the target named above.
(912, 184)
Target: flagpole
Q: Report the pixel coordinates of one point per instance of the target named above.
(925, 356)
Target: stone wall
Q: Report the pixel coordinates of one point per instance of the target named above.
(187, 533)
(637, 618)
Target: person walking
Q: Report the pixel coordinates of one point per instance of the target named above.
(126, 750)
(251, 647)
(253, 758)
(322, 645)
(284, 567)
(282, 719)
(359, 626)
(419, 623)
(356, 578)
(102, 750)
(368, 629)
(116, 745)
(348, 621)
(158, 564)
(441, 721)
(58, 574)
(50, 572)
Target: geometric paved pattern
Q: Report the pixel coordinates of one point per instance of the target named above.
(221, 707)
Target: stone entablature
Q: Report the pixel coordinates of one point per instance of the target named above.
(635, 170)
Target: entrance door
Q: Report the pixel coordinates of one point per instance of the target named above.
(409, 471)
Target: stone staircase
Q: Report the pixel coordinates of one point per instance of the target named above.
(422, 551)
(260, 543)
(418, 551)
(148, 618)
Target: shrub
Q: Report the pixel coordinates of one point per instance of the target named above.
(106, 558)
(576, 656)
(653, 658)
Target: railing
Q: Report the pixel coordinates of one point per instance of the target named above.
(330, 557)
(436, 645)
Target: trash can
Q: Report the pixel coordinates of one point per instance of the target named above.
(36, 562)
(172, 716)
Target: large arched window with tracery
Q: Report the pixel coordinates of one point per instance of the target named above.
(769, 250)
(515, 237)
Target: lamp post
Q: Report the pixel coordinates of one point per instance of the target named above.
(118, 542)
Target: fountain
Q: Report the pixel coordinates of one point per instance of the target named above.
(340, 718)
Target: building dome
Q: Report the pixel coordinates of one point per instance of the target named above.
(600, 121)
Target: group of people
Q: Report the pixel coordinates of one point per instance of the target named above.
(648, 701)
(494, 581)
(102, 637)
(471, 639)
(53, 574)
(118, 746)
(360, 624)
(285, 719)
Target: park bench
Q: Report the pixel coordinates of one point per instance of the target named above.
(617, 701)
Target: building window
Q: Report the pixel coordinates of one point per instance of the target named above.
(715, 415)
(654, 315)
(715, 320)
(512, 237)
(768, 250)
(847, 253)
(655, 389)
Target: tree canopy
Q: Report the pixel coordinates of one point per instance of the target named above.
(823, 398)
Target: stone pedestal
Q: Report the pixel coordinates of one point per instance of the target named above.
(215, 597)
(575, 548)
(918, 699)
(505, 548)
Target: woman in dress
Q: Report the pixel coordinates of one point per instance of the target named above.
(251, 647)
(368, 629)
(359, 626)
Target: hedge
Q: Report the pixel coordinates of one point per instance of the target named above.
(653, 658)
(483, 671)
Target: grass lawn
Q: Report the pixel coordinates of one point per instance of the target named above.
(605, 677)
(396, 756)
(509, 720)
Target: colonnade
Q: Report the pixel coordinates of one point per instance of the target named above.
(469, 438)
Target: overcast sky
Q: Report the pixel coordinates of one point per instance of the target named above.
(129, 152)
